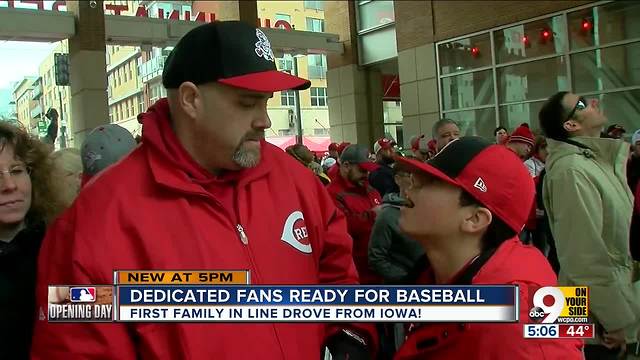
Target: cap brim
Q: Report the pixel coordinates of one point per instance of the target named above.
(368, 166)
(422, 167)
(267, 81)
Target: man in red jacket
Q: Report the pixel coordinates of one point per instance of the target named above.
(466, 213)
(204, 191)
(357, 199)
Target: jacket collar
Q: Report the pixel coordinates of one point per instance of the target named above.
(172, 166)
(351, 187)
(605, 150)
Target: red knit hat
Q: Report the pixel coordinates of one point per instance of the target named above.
(342, 146)
(523, 134)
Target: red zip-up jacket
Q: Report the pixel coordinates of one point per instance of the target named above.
(512, 263)
(357, 203)
(158, 209)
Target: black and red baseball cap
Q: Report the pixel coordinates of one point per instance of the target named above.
(359, 155)
(491, 173)
(229, 52)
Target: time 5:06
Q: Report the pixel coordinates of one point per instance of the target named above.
(541, 331)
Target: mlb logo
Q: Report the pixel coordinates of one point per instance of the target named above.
(82, 294)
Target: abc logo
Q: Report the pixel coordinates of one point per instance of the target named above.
(536, 314)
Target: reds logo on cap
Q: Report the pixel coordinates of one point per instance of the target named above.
(263, 46)
(295, 232)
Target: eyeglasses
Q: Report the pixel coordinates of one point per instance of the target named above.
(580, 105)
(17, 172)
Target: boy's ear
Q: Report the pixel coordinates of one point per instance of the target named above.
(477, 219)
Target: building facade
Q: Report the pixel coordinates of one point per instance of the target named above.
(25, 105)
(49, 95)
(483, 64)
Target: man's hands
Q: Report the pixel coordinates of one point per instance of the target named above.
(614, 340)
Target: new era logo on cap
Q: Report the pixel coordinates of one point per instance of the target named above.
(475, 165)
(229, 52)
(480, 185)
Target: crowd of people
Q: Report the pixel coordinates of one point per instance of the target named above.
(201, 189)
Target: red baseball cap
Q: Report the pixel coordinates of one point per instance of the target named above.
(420, 143)
(470, 164)
(383, 143)
(229, 52)
(342, 146)
(333, 147)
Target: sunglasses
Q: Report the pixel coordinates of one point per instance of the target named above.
(580, 105)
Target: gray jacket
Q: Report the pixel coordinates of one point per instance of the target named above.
(392, 254)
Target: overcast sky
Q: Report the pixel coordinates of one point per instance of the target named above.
(19, 59)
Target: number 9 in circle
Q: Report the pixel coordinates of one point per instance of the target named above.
(540, 309)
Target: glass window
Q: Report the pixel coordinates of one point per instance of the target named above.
(604, 69)
(315, 25)
(315, 5)
(480, 122)
(394, 130)
(372, 51)
(467, 90)
(604, 24)
(538, 38)
(318, 96)
(284, 17)
(375, 13)
(320, 132)
(285, 132)
(622, 107)
(287, 98)
(285, 63)
(532, 80)
(511, 116)
(465, 54)
(317, 66)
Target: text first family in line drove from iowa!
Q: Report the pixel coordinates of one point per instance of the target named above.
(204, 295)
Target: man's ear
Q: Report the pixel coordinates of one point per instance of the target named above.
(571, 126)
(476, 219)
(189, 99)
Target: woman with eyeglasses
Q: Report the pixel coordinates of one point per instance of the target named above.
(589, 206)
(28, 201)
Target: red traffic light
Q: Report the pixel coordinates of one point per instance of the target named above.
(586, 25)
(475, 51)
(525, 40)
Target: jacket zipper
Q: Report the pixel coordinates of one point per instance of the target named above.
(243, 235)
(245, 241)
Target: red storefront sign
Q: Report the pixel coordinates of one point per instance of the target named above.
(390, 87)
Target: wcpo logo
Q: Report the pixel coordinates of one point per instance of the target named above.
(560, 305)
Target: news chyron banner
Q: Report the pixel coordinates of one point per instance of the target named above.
(227, 296)
(560, 312)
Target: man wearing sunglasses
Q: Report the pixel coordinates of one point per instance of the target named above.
(589, 206)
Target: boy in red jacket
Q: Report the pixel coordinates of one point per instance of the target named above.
(466, 213)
